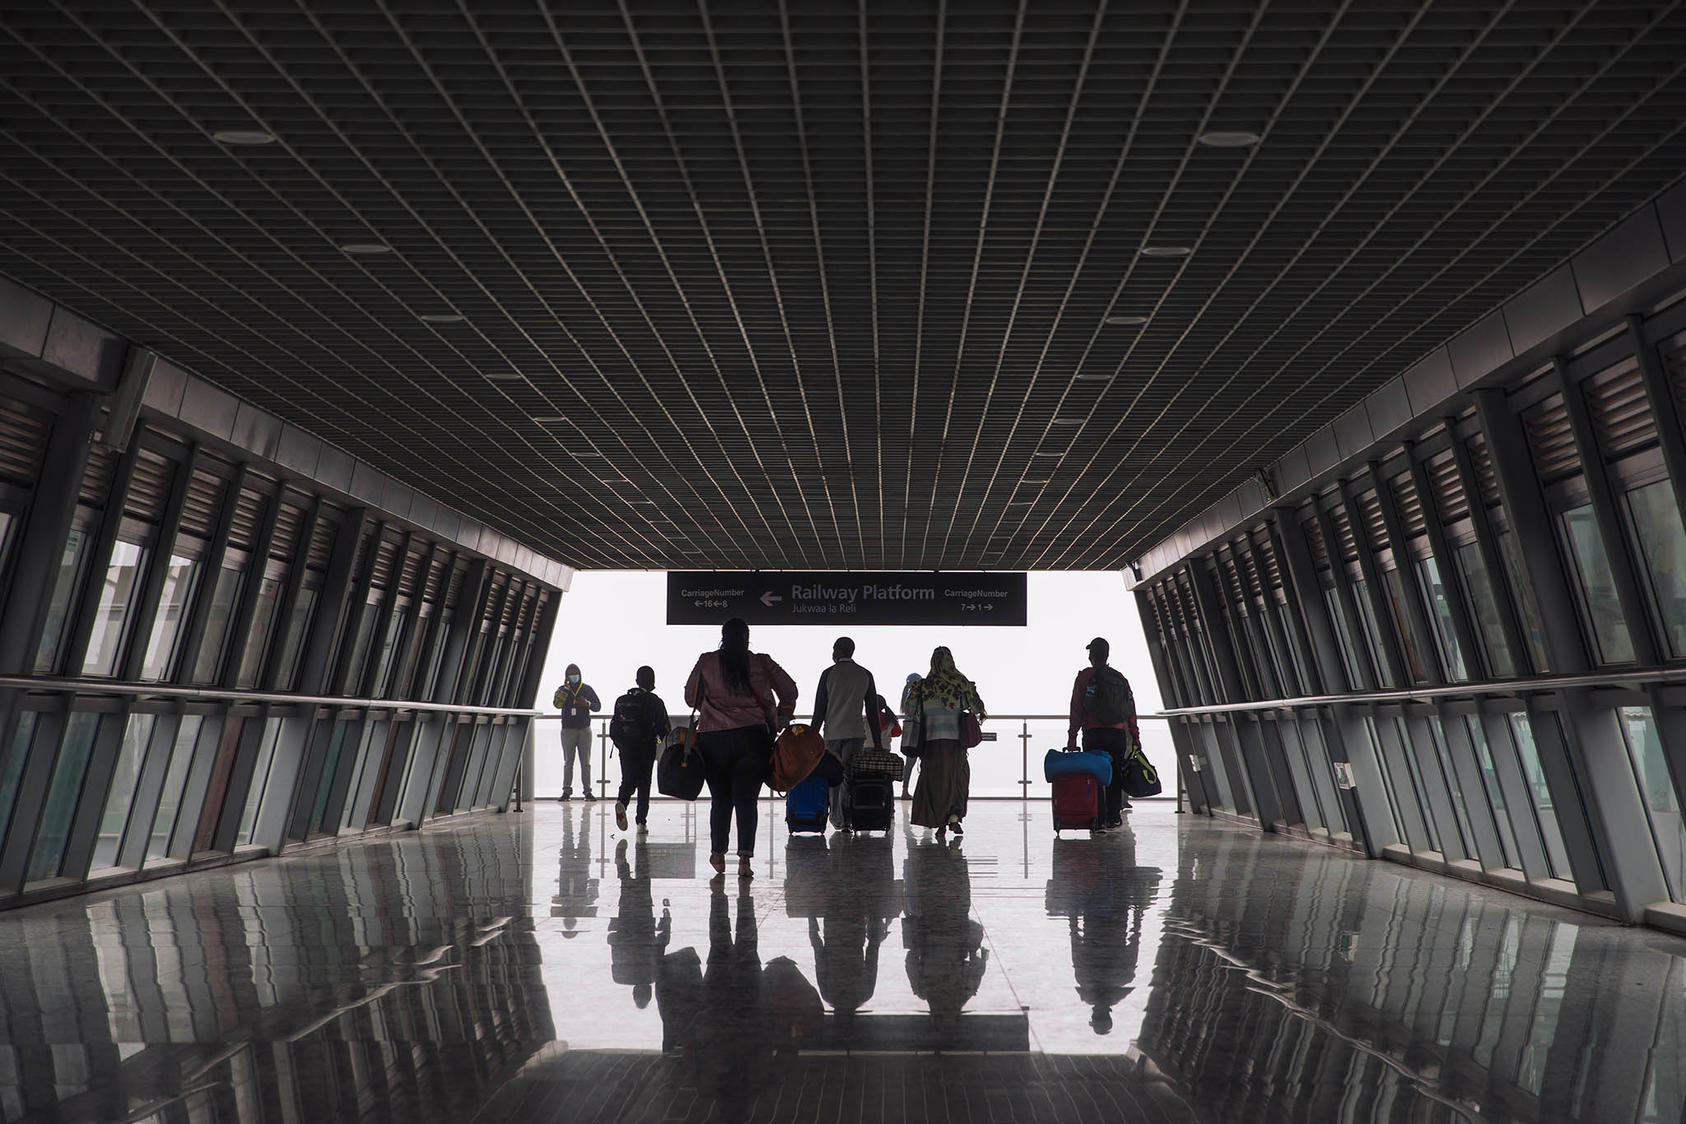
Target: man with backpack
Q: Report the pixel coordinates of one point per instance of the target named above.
(576, 701)
(1103, 707)
(637, 728)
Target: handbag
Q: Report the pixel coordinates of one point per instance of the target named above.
(796, 754)
(971, 730)
(680, 771)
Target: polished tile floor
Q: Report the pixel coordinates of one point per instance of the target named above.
(547, 967)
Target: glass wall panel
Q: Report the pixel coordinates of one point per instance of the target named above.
(1372, 633)
(1495, 792)
(1544, 808)
(260, 780)
(360, 649)
(388, 652)
(1601, 609)
(1415, 666)
(1646, 747)
(1525, 603)
(1485, 604)
(1655, 524)
(1393, 791)
(225, 595)
(175, 781)
(325, 784)
(117, 601)
(1419, 784)
(257, 638)
(12, 768)
(1351, 656)
(180, 580)
(62, 794)
(121, 794)
(298, 625)
(1440, 615)
(1460, 809)
(58, 604)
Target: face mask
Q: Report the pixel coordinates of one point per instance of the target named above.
(574, 679)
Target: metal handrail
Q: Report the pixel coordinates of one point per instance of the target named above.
(1514, 687)
(223, 694)
(1024, 735)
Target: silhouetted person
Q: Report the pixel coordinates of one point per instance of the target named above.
(734, 692)
(846, 706)
(1106, 896)
(632, 931)
(860, 899)
(576, 889)
(945, 776)
(946, 959)
(1104, 709)
(638, 727)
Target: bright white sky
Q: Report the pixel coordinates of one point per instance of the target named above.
(613, 621)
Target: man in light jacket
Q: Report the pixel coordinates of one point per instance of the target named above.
(577, 702)
(845, 711)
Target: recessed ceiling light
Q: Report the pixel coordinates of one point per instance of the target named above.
(442, 317)
(587, 453)
(1047, 453)
(504, 376)
(1095, 376)
(1228, 138)
(640, 500)
(1020, 503)
(1165, 251)
(1124, 321)
(365, 249)
(1043, 480)
(549, 419)
(246, 137)
(1068, 421)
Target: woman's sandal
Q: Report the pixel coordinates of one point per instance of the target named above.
(745, 870)
(718, 862)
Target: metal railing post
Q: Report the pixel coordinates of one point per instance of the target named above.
(1024, 758)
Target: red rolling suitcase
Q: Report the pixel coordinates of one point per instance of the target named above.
(1077, 802)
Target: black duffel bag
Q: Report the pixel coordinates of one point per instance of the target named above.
(1141, 779)
(679, 771)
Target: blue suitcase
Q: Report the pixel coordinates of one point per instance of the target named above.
(806, 807)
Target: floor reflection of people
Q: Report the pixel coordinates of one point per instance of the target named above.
(945, 954)
(576, 889)
(730, 1020)
(1098, 886)
(634, 945)
(859, 901)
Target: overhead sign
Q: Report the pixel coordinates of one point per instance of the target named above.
(848, 597)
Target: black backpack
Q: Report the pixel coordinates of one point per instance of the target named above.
(631, 724)
(1108, 700)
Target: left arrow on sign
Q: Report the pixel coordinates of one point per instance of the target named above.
(768, 599)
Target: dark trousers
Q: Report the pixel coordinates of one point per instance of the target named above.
(636, 763)
(736, 766)
(1101, 739)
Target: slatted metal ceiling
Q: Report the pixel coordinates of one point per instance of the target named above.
(817, 285)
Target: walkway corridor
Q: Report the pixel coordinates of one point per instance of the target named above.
(546, 967)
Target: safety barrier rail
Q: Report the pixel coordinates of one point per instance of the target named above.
(992, 733)
(1544, 684)
(95, 687)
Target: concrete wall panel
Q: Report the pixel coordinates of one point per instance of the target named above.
(1545, 308)
(1621, 260)
(1480, 349)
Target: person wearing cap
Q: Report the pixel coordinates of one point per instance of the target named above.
(846, 711)
(1093, 711)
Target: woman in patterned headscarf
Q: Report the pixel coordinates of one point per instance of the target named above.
(945, 777)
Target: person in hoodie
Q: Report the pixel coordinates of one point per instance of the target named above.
(577, 702)
(846, 707)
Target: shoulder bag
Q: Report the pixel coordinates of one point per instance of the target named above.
(680, 770)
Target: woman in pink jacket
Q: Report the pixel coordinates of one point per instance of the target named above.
(733, 690)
